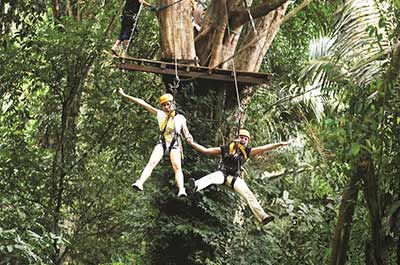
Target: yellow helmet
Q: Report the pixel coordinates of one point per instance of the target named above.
(244, 132)
(165, 98)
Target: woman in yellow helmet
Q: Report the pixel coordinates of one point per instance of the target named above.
(171, 125)
(233, 156)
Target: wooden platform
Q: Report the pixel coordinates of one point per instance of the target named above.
(190, 72)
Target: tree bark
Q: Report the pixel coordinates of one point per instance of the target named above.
(57, 9)
(221, 30)
(375, 255)
(177, 38)
(241, 16)
(251, 59)
(340, 238)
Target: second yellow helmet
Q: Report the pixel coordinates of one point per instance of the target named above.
(165, 98)
(244, 132)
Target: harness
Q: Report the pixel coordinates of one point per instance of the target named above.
(232, 161)
(175, 135)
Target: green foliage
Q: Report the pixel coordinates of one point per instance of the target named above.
(70, 147)
(27, 247)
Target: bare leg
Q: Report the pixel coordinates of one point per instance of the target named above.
(155, 158)
(125, 47)
(116, 46)
(175, 157)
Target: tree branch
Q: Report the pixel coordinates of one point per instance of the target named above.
(241, 16)
(296, 10)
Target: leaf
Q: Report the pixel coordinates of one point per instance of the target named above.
(393, 208)
(397, 3)
(10, 248)
(285, 195)
(355, 149)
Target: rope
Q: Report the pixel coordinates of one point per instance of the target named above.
(237, 91)
(177, 80)
(253, 25)
(234, 74)
(136, 18)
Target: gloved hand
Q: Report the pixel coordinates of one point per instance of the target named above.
(153, 8)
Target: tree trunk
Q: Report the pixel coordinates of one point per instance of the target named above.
(340, 238)
(256, 52)
(218, 39)
(176, 30)
(57, 9)
(375, 254)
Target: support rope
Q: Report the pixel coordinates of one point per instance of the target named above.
(253, 25)
(177, 80)
(234, 74)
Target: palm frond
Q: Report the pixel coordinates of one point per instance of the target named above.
(356, 50)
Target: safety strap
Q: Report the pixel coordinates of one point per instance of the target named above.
(163, 128)
(241, 148)
(234, 178)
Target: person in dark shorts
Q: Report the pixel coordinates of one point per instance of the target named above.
(172, 126)
(128, 17)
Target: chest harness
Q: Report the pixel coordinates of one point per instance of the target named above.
(233, 157)
(163, 133)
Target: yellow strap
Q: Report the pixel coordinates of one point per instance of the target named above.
(241, 147)
(164, 123)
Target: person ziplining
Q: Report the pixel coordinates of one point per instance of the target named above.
(172, 126)
(128, 21)
(233, 156)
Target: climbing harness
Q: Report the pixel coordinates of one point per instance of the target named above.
(240, 147)
(163, 129)
(234, 152)
(176, 137)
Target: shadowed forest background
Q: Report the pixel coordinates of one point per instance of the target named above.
(70, 146)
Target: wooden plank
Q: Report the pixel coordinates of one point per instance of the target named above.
(192, 71)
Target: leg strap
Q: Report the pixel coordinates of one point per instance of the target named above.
(234, 178)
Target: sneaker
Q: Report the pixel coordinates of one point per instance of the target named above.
(267, 220)
(191, 186)
(182, 193)
(137, 186)
(116, 50)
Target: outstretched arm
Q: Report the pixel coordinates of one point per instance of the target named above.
(205, 150)
(186, 132)
(139, 101)
(261, 149)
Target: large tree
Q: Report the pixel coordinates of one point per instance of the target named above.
(221, 39)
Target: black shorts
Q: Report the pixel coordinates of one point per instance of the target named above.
(127, 22)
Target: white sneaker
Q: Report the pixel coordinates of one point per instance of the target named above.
(115, 51)
(182, 193)
(137, 186)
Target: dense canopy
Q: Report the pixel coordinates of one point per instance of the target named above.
(70, 146)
